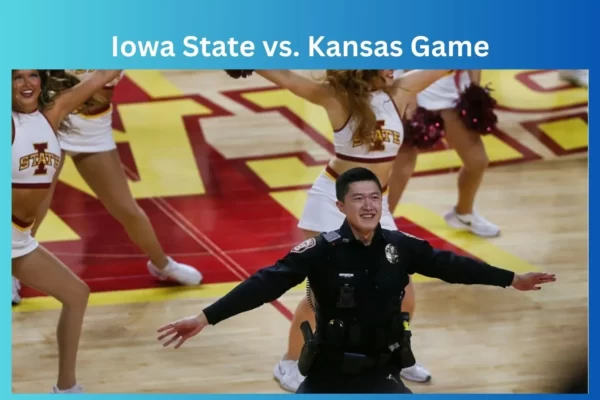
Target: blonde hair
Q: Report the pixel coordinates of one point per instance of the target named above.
(60, 80)
(355, 87)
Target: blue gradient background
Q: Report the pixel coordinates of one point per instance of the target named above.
(521, 33)
(542, 34)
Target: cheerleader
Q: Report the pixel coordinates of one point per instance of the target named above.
(94, 153)
(444, 96)
(40, 108)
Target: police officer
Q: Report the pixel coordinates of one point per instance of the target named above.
(357, 275)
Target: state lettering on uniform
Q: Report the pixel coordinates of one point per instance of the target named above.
(382, 135)
(39, 160)
(302, 247)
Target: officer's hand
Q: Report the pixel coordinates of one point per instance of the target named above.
(532, 280)
(183, 329)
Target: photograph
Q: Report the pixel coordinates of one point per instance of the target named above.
(299, 231)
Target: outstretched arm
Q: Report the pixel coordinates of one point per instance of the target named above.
(453, 268)
(68, 100)
(419, 79)
(475, 76)
(314, 92)
(266, 285)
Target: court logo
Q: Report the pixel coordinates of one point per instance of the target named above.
(302, 247)
(391, 253)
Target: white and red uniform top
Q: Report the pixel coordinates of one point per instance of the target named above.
(36, 151)
(389, 134)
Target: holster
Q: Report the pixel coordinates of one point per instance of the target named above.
(405, 357)
(403, 353)
(310, 349)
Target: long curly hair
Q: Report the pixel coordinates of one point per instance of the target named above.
(355, 86)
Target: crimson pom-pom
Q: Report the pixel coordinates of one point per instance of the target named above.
(239, 73)
(475, 108)
(424, 129)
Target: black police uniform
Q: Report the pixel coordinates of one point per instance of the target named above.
(359, 345)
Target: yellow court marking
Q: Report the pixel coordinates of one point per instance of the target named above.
(159, 141)
(313, 115)
(496, 149)
(54, 229)
(285, 172)
(292, 200)
(154, 83)
(160, 144)
(569, 134)
(151, 126)
(70, 176)
(475, 245)
(205, 291)
(511, 93)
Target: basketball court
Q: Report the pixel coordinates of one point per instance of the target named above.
(222, 167)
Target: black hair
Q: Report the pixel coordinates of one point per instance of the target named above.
(343, 182)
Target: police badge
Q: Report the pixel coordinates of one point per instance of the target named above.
(391, 253)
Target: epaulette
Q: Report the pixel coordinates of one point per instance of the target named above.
(332, 237)
(411, 236)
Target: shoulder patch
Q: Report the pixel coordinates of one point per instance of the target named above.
(331, 236)
(302, 247)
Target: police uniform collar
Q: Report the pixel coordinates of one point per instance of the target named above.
(346, 232)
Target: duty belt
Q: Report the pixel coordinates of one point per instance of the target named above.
(354, 363)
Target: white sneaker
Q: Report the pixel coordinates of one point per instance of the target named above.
(288, 375)
(472, 222)
(16, 286)
(77, 389)
(416, 373)
(180, 273)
